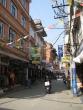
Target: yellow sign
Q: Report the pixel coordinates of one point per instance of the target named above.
(66, 59)
(35, 62)
(35, 55)
(70, 2)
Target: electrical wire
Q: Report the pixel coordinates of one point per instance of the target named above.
(58, 37)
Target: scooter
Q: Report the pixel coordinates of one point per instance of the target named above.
(48, 87)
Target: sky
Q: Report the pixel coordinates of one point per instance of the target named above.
(42, 9)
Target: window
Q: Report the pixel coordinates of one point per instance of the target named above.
(3, 2)
(22, 42)
(12, 35)
(13, 10)
(1, 28)
(23, 22)
(24, 3)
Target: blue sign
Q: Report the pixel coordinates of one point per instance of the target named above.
(60, 51)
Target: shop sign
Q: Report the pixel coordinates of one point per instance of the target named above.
(70, 2)
(35, 62)
(35, 55)
(60, 51)
(66, 59)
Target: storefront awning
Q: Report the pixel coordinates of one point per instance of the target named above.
(79, 58)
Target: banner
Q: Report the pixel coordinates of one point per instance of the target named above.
(35, 54)
(60, 51)
(66, 59)
(54, 26)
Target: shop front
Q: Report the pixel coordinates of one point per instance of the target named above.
(79, 71)
(78, 60)
(12, 60)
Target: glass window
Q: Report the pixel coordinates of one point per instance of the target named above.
(3, 2)
(12, 35)
(24, 3)
(1, 28)
(23, 22)
(13, 10)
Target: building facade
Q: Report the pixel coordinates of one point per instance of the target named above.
(14, 27)
(76, 45)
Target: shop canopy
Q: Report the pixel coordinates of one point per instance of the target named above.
(79, 58)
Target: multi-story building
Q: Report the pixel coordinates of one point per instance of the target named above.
(39, 37)
(49, 54)
(14, 34)
(36, 45)
(76, 39)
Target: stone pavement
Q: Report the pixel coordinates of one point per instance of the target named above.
(17, 88)
(36, 99)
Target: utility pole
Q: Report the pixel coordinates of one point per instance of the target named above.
(59, 10)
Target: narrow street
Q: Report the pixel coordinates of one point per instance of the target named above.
(35, 98)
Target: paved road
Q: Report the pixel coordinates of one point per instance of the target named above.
(36, 99)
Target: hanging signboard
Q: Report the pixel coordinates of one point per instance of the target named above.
(60, 51)
(66, 59)
(35, 54)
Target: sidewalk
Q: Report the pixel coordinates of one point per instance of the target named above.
(17, 88)
(62, 94)
(35, 98)
(6, 91)
(59, 92)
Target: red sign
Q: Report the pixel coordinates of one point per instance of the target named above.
(81, 4)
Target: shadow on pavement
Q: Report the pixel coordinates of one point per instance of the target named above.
(58, 86)
(36, 91)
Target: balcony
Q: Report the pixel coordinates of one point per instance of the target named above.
(40, 28)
